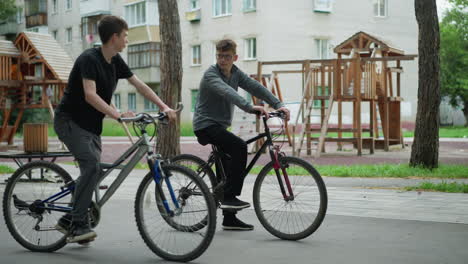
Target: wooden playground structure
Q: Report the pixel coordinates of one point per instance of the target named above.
(33, 74)
(370, 75)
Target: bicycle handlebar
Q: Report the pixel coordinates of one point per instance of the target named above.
(276, 113)
(148, 118)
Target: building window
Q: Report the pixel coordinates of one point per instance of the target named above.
(54, 34)
(54, 6)
(150, 107)
(144, 55)
(323, 6)
(135, 14)
(19, 15)
(69, 35)
(194, 95)
(221, 7)
(69, 4)
(251, 49)
(380, 8)
(321, 49)
(131, 102)
(117, 101)
(84, 27)
(196, 55)
(250, 5)
(35, 7)
(194, 4)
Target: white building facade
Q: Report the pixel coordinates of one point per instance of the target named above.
(273, 30)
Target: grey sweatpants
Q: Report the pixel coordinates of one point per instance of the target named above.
(86, 148)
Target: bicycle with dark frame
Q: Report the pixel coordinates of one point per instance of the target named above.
(289, 195)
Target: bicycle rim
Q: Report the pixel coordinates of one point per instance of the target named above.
(173, 237)
(35, 229)
(197, 165)
(297, 218)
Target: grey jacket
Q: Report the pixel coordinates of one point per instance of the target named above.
(218, 95)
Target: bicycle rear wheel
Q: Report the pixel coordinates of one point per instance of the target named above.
(29, 224)
(199, 166)
(174, 236)
(300, 215)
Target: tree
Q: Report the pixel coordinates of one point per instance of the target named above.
(425, 149)
(454, 54)
(171, 74)
(7, 9)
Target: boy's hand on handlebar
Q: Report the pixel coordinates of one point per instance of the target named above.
(286, 111)
(127, 114)
(259, 110)
(171, 114)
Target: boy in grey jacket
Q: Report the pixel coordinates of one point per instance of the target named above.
(213, 115)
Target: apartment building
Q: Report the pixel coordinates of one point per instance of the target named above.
(265, 30)
(292, 30)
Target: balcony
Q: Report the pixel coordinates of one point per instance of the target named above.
(36, 20)
(193, 16)
(8, 28)
(94, 8)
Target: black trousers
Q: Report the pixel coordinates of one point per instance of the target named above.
(236, 148)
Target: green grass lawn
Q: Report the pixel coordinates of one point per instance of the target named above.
(385, 171)
(452, 187)
(6, 169)
(112, 128)
(444, 132)
(372, 171)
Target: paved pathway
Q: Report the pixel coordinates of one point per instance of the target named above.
(363, 225)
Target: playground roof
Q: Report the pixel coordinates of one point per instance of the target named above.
(44, 46)
(7, 48)
(362, 40)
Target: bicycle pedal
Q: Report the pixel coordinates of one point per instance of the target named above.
(103, 187)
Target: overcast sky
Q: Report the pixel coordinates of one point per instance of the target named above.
(441, 6)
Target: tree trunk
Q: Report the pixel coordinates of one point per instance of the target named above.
(425, 149)
(171, 74)
(465, 112)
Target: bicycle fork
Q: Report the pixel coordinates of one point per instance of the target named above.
(281, 169)
(159, 177)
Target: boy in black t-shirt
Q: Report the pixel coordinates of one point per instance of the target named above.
(79, 116)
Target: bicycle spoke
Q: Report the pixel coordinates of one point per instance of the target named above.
(296, 218)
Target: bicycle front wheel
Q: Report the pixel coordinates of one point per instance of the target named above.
(298, 214)
(28, 222)
(169, 234)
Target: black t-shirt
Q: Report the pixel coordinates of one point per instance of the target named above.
(92, 65)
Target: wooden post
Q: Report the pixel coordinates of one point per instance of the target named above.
(357, 93)
(386, 106)
(398, 83)
(322, 101)
(339, 93)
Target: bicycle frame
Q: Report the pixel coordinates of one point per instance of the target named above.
(142, 148)
(214, 158)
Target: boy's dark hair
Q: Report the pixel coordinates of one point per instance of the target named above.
(110, 25)
(226, 45)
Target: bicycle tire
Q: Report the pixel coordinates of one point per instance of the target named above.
(149, 218)
(307, 217)
(200, 167)
(25, 185)
(195, 164)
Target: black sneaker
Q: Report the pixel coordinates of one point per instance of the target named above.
(81, 233)
(234, 203)
(64, 224)
(233, 223)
